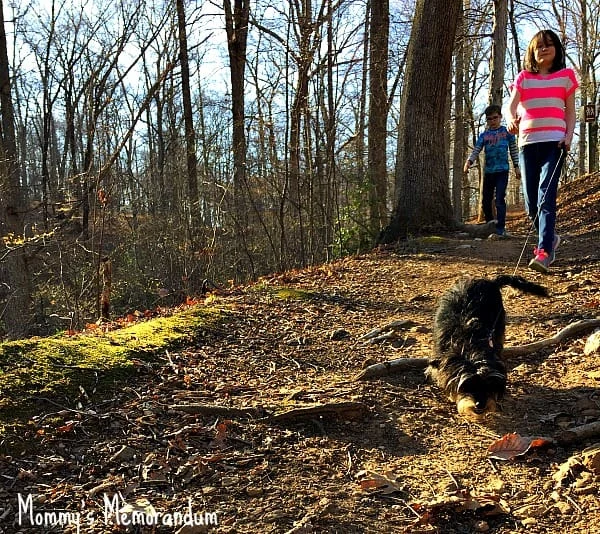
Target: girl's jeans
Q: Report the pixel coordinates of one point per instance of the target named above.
(541, 165)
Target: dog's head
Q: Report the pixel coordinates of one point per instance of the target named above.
(478, 394)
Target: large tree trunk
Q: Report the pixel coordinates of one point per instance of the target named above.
(460, 133)
(423, 196)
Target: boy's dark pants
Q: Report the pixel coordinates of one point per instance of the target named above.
(495, 181)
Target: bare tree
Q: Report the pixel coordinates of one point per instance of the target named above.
(423, 196)
(498, 58)
(580, 25)
(14, 265)
(236, 25)
(378, 108)
(188, 118)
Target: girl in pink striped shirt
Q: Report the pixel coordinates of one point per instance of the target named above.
(542, 112)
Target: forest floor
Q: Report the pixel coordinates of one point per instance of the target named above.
(195, 433)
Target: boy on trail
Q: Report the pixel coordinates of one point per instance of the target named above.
(497, 143)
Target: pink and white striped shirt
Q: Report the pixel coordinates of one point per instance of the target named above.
(542, 104)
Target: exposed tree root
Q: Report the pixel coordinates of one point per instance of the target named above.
(414, 364)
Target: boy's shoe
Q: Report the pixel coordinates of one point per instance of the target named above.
(503, 234)
(541, 261)
(555, 243)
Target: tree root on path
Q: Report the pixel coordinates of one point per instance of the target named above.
(415, 364)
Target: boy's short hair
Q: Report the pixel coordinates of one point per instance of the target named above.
(493, 109)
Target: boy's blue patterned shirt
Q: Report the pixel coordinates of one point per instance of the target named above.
(497, 144)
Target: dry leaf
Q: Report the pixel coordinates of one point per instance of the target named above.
(222, 431)
(379, 483)
(592, 344)
(67, 427)
(509, 446)
(591, 459)
(464, 501)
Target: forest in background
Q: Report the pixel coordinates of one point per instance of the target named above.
(150, 146)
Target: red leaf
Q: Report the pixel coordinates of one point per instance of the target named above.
(509, 446)
(68, 427)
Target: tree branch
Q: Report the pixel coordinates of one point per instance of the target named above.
(415, 364)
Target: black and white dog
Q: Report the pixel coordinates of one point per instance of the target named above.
(468, 336)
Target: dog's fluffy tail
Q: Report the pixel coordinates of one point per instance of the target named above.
(518, 282)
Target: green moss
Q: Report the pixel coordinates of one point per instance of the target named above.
(289, 293)
(56, 368)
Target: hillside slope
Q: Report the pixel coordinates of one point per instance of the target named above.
(194, 431)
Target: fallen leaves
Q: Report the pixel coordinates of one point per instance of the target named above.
(587, 461)
(464, 501)
(512, 445)
(385, 484)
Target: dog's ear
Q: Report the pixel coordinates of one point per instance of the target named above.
(465, 380)
(497, 382)
(497, 376)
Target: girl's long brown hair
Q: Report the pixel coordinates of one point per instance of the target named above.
(547, 37)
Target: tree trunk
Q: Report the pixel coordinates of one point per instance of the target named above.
(377, 132)
(498, 52)
(514, 31)
(299, 105)
(422, 181)
(236, 25)
(459, 125)
(188, 117)
(14, 271)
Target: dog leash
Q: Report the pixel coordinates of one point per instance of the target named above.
(563, 153)
(552, 176)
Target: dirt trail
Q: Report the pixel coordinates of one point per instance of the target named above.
(408, 464)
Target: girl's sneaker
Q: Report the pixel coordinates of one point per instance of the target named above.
(541, 261)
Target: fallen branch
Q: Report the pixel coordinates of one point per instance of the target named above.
(416, 364)
(220, 411)
(579, 433)
(573, 329)
(342, 410)
(387, 329)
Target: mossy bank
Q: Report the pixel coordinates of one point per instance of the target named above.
(72, 371)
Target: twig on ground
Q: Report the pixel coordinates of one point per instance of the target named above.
(343, 410)
(579, 433)
(392, 366)
(386, 330)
